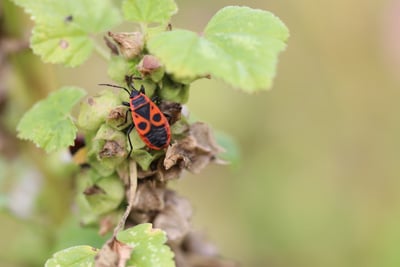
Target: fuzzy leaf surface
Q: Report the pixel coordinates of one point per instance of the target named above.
(62, 28)
(149, 11)
(48, 123)
(240, 45)
(73, 257)
(149, 249)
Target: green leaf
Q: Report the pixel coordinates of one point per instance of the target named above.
(149, 249)
(73, 257)
(149, 11)
(48, 123)
(63, 28)
(71, 47)
(240, 45)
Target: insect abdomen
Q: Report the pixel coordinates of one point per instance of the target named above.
(158, 137)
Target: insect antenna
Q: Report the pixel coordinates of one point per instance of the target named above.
(116, 86)
(129, 80)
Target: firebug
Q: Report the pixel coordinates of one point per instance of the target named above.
(151, 124)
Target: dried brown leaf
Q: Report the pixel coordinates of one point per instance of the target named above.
(172, 110)
(165, 175)
(117, 113)
(106, 225)
(149, 197)
(175, 218)
(204, 138)
(113, 254)
(112, 46)
(195, 151)
(138, 217)
(148, 173)
(106, 257)
(130, 43)
(112, 148)
(124, 252)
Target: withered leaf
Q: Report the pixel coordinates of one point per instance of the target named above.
(106, 257)
(138, 217)
(117, 116)
(172, 110)
(130, 43)
(112, 148)
(113, 254)
(175, 218)
(113, 47)
(106, 224)
(159, 172)
(165, 175)
(204, 137)
(149, 197)
(195, 151)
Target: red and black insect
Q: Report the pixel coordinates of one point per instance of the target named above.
(150, 122)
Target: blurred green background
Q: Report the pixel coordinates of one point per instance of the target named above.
(318, 182)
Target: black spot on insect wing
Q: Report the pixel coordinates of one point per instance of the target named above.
(142, 126)
(157, 117)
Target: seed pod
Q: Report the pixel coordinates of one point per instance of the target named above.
(151, 67)
(195, 151)
(130, 43)
(175, 92)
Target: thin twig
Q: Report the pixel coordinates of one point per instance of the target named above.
(131, 196)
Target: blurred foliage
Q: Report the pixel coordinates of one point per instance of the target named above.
(317, 183)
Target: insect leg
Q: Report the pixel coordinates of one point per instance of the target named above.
(129, 81)
(126, 118)
(156, 99)
(129, 139)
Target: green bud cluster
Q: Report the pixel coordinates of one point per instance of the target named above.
(102, 120)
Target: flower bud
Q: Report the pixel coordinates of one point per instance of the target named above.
(108, 150)
(151, 66)
(175, 92)
(97, 195)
